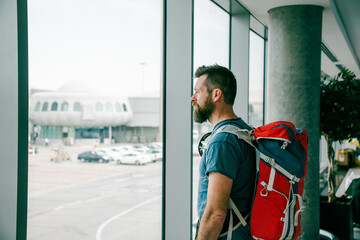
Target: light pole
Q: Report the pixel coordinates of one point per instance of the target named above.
(143, 75)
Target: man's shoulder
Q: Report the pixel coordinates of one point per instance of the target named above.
(226, 138)
(238, 122)
(223, 136)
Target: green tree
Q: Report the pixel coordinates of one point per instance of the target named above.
(340, 115)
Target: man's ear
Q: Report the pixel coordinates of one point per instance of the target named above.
(216, 94)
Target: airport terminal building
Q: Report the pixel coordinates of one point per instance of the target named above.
(77, 118)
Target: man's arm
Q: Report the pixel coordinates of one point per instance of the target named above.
(213, 218)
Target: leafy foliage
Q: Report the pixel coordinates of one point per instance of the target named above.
(339, 115)
(340, 107)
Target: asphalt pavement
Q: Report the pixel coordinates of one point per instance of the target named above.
(73, 200)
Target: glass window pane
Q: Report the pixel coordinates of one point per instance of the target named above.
(109, 107)
(256, 80)
(77, 107)
(37, 107)
(101, 62)
(99, 107)
(65, 107)
(54, 106)
(45, 107)
(211, 46)
(118, 107)
(211, 34)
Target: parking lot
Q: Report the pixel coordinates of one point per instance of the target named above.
(74, 200)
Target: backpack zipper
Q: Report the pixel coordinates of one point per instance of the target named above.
(286, 142)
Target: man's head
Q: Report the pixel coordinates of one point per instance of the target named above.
(215, 84)
(219, 77)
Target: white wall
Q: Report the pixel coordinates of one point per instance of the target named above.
(178, 122)
(9, 119)
(239, 59)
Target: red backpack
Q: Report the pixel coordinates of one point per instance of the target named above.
(277, 202)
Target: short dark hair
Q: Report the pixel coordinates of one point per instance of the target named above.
(219, 77)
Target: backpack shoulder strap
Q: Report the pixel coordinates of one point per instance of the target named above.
(243, 134)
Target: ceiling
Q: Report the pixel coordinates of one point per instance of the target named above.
(340, 32)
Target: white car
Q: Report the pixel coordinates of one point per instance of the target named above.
(140, 148)
(110, 153)
(156, 154)
(126, 148)
(143, 150)
(155, 145)
(121, 149)
(133, 158)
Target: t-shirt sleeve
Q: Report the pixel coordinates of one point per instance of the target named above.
(223, 157)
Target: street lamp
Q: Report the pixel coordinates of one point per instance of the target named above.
(143, 74)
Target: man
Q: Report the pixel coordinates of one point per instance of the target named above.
(227, 167)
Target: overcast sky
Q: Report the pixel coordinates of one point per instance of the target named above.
(112, 45)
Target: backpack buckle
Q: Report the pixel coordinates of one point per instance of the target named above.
(252, 137)
(285, 144)
(203, 144)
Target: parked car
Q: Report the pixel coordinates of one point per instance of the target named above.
(134, 148)
(156, 154)
(154, 145)
(140, 148)
(133, 158)
(120, 149)
(93, 156)
(143, 150)
(110, 153)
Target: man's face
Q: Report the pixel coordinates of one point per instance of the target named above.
(202, 101)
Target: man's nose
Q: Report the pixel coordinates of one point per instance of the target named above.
(193, 98)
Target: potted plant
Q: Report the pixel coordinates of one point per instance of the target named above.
(340, 113)
(339, 121)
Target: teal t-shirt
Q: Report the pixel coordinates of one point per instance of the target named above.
(234, 158)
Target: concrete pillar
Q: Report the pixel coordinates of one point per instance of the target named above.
(110, 135)
(293, 89)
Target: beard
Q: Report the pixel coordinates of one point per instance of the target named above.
(201, 114)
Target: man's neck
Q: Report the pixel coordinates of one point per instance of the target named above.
(221, 115)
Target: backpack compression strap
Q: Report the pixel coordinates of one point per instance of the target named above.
(273, 164)
(233, 207)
